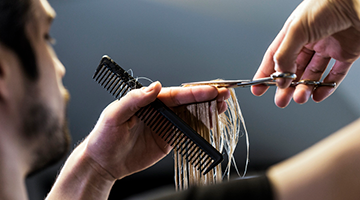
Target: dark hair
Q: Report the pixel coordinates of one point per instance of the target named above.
(14, 14)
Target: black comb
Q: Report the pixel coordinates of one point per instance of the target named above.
(160, 118)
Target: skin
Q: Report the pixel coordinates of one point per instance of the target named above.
(17, 150)
(328, 170)
(118, 146)
(106, 155)
(316, 31)
(119, 141)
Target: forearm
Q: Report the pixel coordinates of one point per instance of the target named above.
(328, 170)
(81, 178)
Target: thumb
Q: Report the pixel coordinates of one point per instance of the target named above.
(128, 105)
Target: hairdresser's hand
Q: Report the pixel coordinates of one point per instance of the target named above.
(123, 145)
(120, 144)
(316, 31)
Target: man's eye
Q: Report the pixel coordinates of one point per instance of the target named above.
(50, 39)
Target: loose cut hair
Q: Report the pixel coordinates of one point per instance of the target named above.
(220, 130)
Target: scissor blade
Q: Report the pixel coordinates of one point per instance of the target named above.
(219, 83)
(266, 81)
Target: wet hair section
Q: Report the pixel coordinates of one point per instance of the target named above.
(222, 131)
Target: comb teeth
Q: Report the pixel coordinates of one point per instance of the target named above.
(190, 145)
(160, 118)
(114, 79)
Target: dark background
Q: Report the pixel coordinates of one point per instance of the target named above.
(176, 41)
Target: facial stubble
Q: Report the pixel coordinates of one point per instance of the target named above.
(48, 132)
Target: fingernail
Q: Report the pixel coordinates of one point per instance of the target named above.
(150, 87)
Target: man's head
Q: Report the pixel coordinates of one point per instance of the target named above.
(32, 97)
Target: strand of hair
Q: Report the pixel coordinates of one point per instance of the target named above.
(178, 135)
(171, 134)
(178, 141)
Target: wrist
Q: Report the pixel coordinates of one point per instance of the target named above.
(95, 170)
(81, 178)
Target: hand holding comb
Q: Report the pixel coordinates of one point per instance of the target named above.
(160, 118)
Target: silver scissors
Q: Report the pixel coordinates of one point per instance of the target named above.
(270, 81)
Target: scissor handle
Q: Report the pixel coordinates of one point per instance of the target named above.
(314, 83)
(304, 82)
(282, 75)
(295, 83)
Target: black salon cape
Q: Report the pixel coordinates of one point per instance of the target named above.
(257, 188)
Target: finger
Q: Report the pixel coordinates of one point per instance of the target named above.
(175, 96)
(302, 61)
(336, 75)
(223, 95)
(286, 56)
(292, 44)
(283, 96)
(222, 106)
(314, 72)
(266, 67)
(121, 111)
